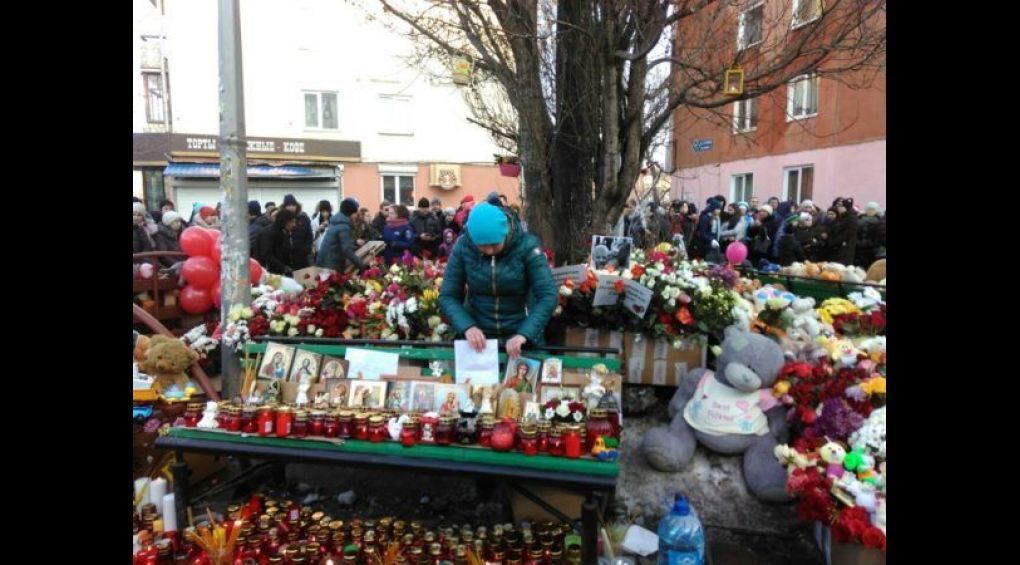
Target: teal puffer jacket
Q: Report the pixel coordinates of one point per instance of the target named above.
(511, 293)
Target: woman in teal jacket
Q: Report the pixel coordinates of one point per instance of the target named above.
(510, 290)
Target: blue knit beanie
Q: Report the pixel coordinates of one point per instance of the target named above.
(487, 224)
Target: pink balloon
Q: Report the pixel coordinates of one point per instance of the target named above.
(216, 293)
(216, 250)
(254, 271)
(196, 241)
(195, 300)
(736, 252)
(201, 272)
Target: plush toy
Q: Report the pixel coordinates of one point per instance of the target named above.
(833, 454)
(866, 300)
(854, 275)
(876, 272)
(812, 270)
(795, 270)
(141, 348)
(793, 459)
(730, 411)
(167, 359)
(209, 416)
(805, 316)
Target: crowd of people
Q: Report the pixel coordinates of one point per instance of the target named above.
(284, 239)
(776, 232)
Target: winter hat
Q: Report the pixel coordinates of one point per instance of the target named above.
(254, 208)
(207, 211)
(807, 204)
(169, 217)
(139, 208)
(766, 208)
(448, 211)
(493, 198)
(466, 199)
(349, 206)
(437, 202)
(872, 206)
(792, 219)
(487, 224)
(289, 200)
(743, 205)
(423, 203)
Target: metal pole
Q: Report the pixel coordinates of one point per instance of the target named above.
(234, 277)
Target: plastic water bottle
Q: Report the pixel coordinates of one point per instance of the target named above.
(681, 536)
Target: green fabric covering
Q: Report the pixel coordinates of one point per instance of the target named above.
(445, 453)
(818, 289)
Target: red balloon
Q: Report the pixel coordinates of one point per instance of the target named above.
(216, 293)
(196, 242)
(216, 250)
(195, 300)
(201, 272)
(254, 271)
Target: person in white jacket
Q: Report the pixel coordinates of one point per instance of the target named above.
(736, 229)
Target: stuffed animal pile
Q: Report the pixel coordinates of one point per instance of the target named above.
(834, 272)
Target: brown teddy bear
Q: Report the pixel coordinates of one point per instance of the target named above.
(167, 359)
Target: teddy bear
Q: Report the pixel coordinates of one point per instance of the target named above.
(167, 359)
(731, 411)
(141, 348)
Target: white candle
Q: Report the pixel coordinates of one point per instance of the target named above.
(169, 513)
(140, 485)
(157, 490)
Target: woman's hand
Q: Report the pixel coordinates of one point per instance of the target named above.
(513, 346)
(475, 338)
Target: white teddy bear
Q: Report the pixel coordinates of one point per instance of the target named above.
(805, 317)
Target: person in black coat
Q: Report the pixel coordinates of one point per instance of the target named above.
(843, 235)
(302, 237)
(867, 236)
(790, 249)
(143, 232)
(428, 230)
(256, 223)
(275, 244)
(169, 235)
(379, 221)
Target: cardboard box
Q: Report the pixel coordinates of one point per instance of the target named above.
(656, 362)
(566, 502)
(588, 337)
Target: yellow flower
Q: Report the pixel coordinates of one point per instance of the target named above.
(780, 388)
(825, 316)
(874, 385)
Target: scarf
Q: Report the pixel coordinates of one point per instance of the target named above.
(397, 223)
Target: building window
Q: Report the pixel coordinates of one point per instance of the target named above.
(395, 115)
(749, 27)
(805, 12)
(798, 183)
(153, 188)
(321, 110)
(402, 185)
(802, 97)
(155, 109)
(745, 115)
(741, 187)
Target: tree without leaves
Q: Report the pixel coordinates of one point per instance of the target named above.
(581, 79)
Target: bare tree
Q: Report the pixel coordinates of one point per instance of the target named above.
(585, 82)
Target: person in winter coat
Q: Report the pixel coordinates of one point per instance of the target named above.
(623, 224)
(843, 235)
(809, 236)
(205, 216)
(708, 229)
(428, 230)
(776, 219)
(256, 223)
(867, 236)
(301, 246)
(449, 240)
(379, 221)
(789, 249)
(759, 243)
(510, 293)
(437, 209)
(398, 234)
(736, 228)
(168, 238)
(449, 213)
(320, 223)
(338, 243)
(275, 244)
(461, 216)
(144, 229)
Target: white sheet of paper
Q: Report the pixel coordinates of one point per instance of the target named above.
(370, 364)
(476, 368)
(636, 298)
(576, 273)
(605, 292)
(640, 541)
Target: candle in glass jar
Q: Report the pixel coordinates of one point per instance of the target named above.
(331, 426)
(444, 430)
(361, 426)
(428, 428)
(485, 426)
(317, 423)
(264, 420)
(345, 426)
(377, 432)
(529, 441)
(556, 442)
(409, 433)
(284, 421)
(300, 425)
(249, 425)
(572, 441)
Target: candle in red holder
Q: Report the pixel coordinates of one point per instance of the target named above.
(572, 441)
(345, 424)
(284, 421)
(300, 426)
(361, 426)
(444, 430)
(331, 426)
(248, 423)
(193, 414)
(264, 420)
(503, 435)
(543, 436)
(316, 423)
(485, 426)
(377, 432)
(428, 428)
(556, 442)
(598, 425)
(409, 433)
(529, 441)
(233, 419)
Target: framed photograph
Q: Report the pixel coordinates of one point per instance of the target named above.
(451, 398)
(509, 404)
(332, 368)
(522, 374)
(367, 394)
(482, 395)
(339, 391)
(423, 396)
(559, 393)
(305, 368)
(276, 361)
(399, 396)
(609, 251)
(532, 411)
(552, 371)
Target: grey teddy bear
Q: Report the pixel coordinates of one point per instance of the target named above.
(730, 411)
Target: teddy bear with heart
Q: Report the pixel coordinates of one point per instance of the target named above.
(731, 411)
